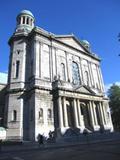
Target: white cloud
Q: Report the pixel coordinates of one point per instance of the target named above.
(3, 78)
(107, 86)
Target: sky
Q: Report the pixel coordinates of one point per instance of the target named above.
(94, 20)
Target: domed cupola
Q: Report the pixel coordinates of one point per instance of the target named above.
(86, 44)
(25, 21)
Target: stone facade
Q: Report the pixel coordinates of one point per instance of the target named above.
(54, 84)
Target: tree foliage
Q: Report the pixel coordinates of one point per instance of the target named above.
(114, 96)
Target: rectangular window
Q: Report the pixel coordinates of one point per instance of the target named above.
(14, 115)
(17, 69)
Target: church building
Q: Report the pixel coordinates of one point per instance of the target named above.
(54, 84)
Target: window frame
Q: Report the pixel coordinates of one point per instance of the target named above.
(75, 73)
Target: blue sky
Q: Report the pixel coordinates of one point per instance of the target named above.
(94, 20)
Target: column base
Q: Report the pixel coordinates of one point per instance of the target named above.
(61, 131)
(108, 128)
(82, 128)
(96, 128)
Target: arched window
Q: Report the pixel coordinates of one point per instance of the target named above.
(14, 115)
(62, 71)
(86, 78)
(75, 73)
(40, 114)
(49, 114)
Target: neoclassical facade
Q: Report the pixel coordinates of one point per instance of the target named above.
(54, 84)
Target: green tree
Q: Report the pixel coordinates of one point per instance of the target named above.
(114, 96)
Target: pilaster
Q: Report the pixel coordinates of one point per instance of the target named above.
(36, 58)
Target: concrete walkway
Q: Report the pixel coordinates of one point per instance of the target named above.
(34, 145)
(95, 151)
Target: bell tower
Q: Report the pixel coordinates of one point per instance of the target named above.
(25, 21)
(17, 74)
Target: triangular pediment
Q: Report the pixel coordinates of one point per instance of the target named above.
(84, 89)
(71, 40)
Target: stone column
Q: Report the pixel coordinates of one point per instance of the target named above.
(101, 113)
(25, 20)
(104, 113)
(75, 113)
(94, 113)
(60, 113)
(21, 20)
(30, 22)
(65, 112)
(91, 115)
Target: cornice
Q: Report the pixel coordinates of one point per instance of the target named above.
(53, 37)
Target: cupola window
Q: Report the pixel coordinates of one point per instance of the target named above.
(23, 20)
(27, 20)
